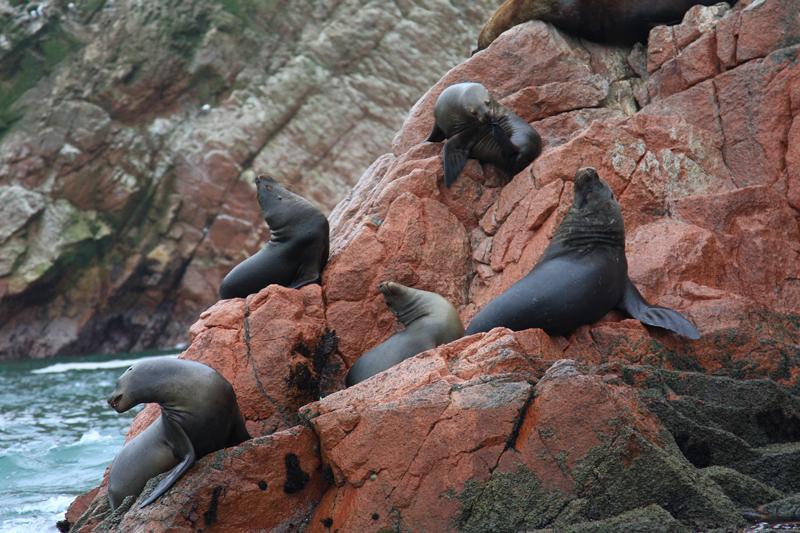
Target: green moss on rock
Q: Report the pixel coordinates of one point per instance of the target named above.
(650, 519)
(631, 472)
(507, 502)
(743, 490)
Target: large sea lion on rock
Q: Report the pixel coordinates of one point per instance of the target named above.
(604, 21)
(199, 415)
(478, 127)
(429, 319)
(582, 275)
(297, 250)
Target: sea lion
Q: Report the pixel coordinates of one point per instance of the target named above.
(199, 415)
(478, 127)
(621, 22)
(297, 250)
(429, 319)
(582, 275)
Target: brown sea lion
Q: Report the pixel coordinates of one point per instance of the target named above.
(582, 275)
(604, 21)
(478, 127)
(199, 415)
(429, 319)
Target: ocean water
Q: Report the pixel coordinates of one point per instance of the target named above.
(57, 435)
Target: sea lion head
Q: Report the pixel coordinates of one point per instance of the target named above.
(271, 197)
(478, 103)
(403, 301)
(150, 380)
(590, 189)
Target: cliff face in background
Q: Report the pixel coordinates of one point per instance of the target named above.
(128, 131)
(614, 428)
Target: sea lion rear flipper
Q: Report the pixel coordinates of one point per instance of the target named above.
(456, 153)
(178, 470)
(437, 135)
(653, 315)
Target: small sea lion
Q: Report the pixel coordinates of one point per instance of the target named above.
(199, 415)
(582, 275)
(297, 250)
(429, 321)
(478, 127)
(605, 21)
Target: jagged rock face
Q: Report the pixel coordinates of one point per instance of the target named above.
(615, 427)
(128, 132)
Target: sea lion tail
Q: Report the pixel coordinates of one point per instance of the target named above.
(652, 315)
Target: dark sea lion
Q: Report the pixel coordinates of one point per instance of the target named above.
(582, 275)
(605, 21)
(297, 250)
(430, 321)
(478, 127)
(199, 415)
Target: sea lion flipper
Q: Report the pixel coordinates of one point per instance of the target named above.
(652, 315)
(502, 139)
(437, 135)
(456, 153)
(306, 275)
(178, 470)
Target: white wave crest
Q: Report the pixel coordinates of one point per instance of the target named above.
(93, 436)
(67, 367)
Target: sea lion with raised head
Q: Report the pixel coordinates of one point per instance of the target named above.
(199, 415)
(478, 127)
(429, 321)
(605, 21)
(297, 250)
(582, 275)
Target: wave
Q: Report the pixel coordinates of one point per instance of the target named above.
(91, 365)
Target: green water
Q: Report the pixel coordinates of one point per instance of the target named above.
(57, 435)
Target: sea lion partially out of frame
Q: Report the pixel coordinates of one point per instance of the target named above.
(605, 21)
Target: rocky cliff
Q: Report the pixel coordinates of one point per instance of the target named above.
(614, 428)
(128, 131)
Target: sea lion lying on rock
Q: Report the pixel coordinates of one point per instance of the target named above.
(605, 21)
(582, 275)
(430, 321)
(478, 127)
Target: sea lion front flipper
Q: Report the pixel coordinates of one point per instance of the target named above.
(177, 471)
(456, 153)
(437, 135)
(306, 275)
(652, 315)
